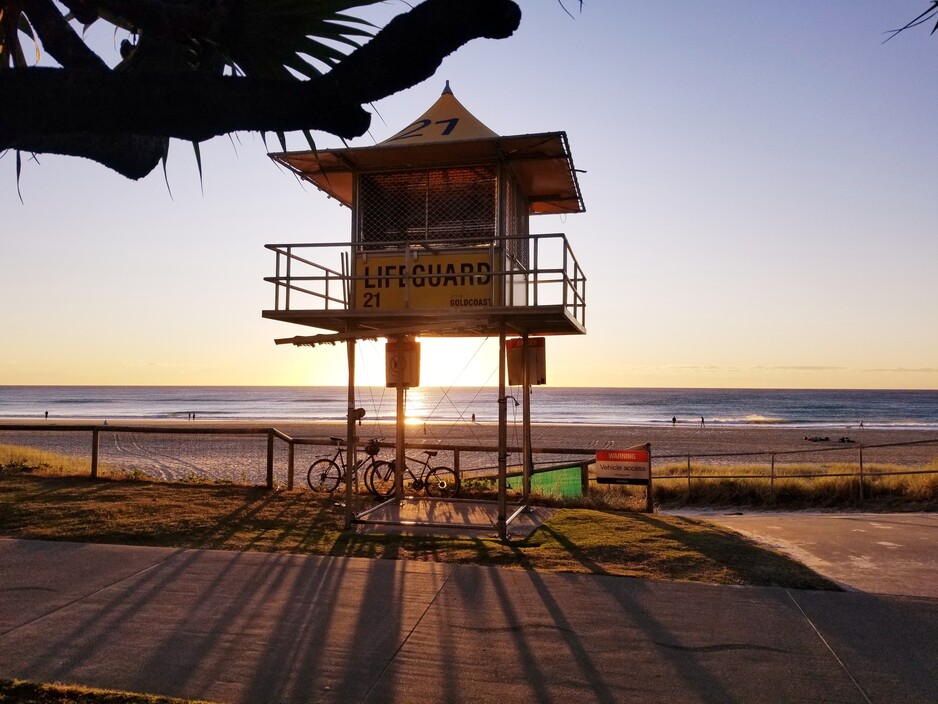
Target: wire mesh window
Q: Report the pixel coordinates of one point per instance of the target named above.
(454, 204)
(516, 223)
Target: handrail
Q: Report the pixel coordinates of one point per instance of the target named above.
(288, 253)
(442, 241)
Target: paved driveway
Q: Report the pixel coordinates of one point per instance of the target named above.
(880, 553)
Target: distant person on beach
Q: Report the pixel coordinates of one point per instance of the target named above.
(701, 421)
(47, 415)
(673, 421)
(473, 417)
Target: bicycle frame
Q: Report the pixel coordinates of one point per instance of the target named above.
(436, 481)
(425, 467)
(339, 458)
(330, 471)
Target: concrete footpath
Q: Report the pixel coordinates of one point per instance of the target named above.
(251, 627)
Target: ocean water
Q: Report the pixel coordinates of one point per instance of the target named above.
(603, 406)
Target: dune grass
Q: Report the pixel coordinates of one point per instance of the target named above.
(21, 458)
(796, 486)
(836, 486)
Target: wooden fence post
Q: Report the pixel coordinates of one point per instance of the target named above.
(861, 474)
(772, 481)
(94, 453)
(688, 477)
(649, 501)
(270, 458)
(290, 459)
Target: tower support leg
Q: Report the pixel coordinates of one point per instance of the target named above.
(350, 473)
(401, 411)
(501, 524)
(526, 458)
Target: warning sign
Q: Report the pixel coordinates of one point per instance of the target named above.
(623, 466)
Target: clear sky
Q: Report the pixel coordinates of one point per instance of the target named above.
(760, 193)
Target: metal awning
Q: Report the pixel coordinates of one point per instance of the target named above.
(448, 135)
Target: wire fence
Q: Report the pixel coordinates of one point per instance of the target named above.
(244, 455)
(849, 459)
(269, 457)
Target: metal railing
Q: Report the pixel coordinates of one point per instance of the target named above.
(324, 280)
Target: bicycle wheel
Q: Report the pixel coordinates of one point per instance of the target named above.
(442, 482)
(379, 478)
(324, 475)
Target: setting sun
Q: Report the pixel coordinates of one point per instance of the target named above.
(443, 362)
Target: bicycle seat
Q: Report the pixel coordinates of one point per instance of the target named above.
(337, 441)
(430, 453)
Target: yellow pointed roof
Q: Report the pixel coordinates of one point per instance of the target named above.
(447, 120)
(447, 134)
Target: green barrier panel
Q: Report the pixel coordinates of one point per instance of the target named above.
(564, 482)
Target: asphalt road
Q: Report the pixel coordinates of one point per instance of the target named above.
(879, 553)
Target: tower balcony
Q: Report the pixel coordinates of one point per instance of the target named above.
(530, 284)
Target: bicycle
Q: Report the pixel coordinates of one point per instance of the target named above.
(438, 482)
(326, 474)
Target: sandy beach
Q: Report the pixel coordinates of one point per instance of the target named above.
(190, 453)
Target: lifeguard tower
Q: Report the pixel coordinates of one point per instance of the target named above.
(440, 246)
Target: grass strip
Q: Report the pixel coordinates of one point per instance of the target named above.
(233, 517)
(22, 692)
